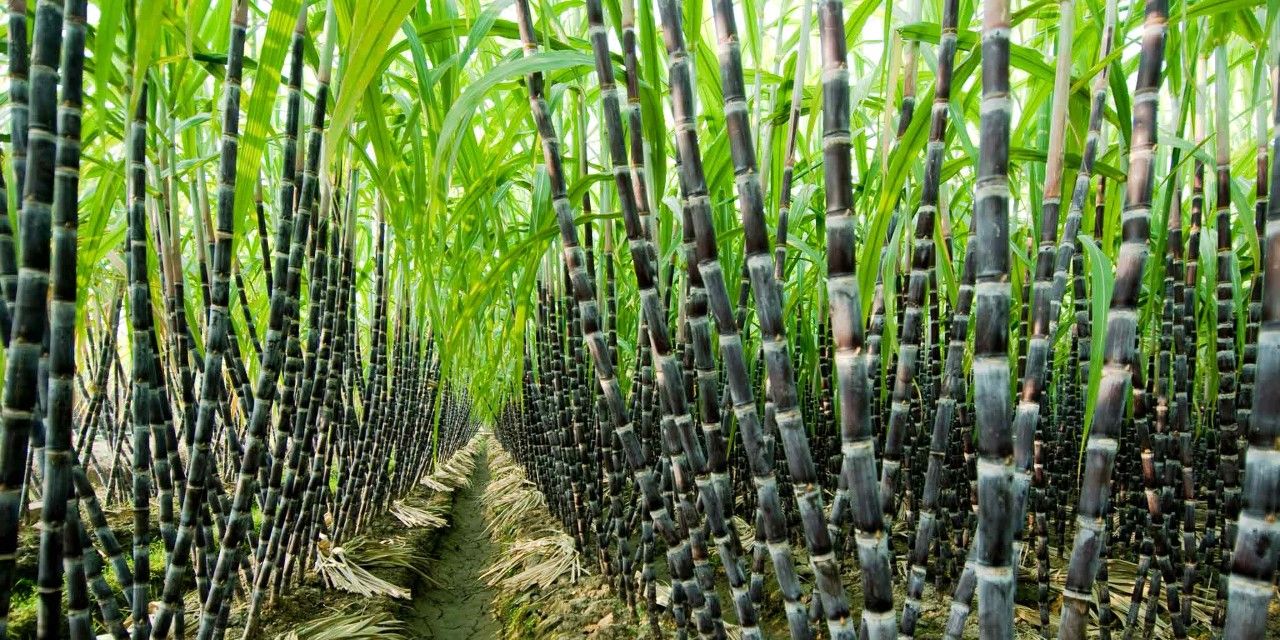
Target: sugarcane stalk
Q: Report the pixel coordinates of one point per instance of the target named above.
(297, 227)
(1227, 432)
(945, 408)
(1254, 557)
(584, 297)
(994, 555)
(767, 291)
(1120, 349)
(59, 534)
(143, 368)
(22, 397)
(793, 129)
(1044, 308)
(19, 115)
(216, 326)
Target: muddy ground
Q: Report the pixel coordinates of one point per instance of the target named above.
(459, 606)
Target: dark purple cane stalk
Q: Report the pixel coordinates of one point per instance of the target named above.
(1257, 544)
(1121, 337)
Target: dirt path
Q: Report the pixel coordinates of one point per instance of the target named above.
(460, 606)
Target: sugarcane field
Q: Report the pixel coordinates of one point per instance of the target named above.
(623, 319)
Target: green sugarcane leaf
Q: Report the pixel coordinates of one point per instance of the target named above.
(462, 110)
(363, 51)
(266, 82)
(193, 121)
(901, 162)
(149, 22)
(110, 13)
(1207, 9)
(1102, 281)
